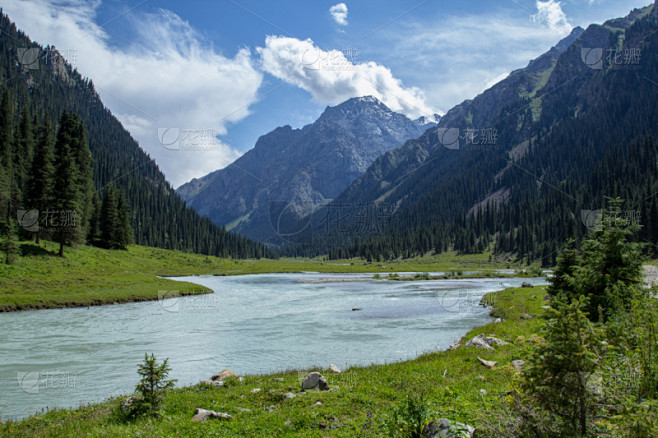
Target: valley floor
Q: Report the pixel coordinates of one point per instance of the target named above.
(90, 276)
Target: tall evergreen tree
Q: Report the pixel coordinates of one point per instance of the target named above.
(39, 186)
(109, 218)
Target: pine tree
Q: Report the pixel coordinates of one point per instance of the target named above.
(124, 231)
(39, 187)
(64, 220)
(153, 383)
(109, 218)
(559, 375)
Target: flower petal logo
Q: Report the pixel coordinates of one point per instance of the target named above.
(311, 59)
(169, 300)
(29, 57)
(169, 138)
(28, 219)
(28, 381)
(592, 57)
(591, 219)
(449, 138)
(289, 219)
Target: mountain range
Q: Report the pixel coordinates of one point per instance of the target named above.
(291, 172)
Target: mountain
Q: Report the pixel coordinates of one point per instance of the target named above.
(513, 168)
(290, 172)
(39, 85)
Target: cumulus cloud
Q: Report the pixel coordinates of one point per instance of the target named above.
(339, 13)
(334, 76)
(550, 12)
(166, 81)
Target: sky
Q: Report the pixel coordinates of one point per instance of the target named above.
(197, 82)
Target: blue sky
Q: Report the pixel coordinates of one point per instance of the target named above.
(216, 75)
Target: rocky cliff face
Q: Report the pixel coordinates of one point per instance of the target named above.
(303, 168)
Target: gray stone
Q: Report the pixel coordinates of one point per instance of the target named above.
(315, 380)
(517, 364)
(479, 342)
(215, 383)
(494, 341)
(487, 363)
(255, 390)
(334, 368)
(289, 395)
(223, 375)
(526, 284)
(455, 345)
(204, 414)
(444, 428)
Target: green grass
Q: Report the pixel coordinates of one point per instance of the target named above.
(92, 276)
(361, 403)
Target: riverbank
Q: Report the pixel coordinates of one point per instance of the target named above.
(362, 402)
(91, 276)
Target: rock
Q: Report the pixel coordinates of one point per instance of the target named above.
(355, 309)
(545, 307)
(215, 383)
(315, 380)
(334, 368)
(487, 363)
(455, 345)
(494, 341)
(445, 428)
(517, 364)
(479, 342)
(243, 409)
(225, 374)
(483, 392)
(499, 320)
(255, 390)
(289, 395)
(270, 408)
(317, 403)
(204, 414)
(547, 297)
(526, 284)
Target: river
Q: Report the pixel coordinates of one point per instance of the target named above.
(251, 324)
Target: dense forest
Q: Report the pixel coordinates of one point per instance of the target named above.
(525, 195)
(35, 97)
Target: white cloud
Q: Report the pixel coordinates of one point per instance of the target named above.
(550, 12)
(166, 78)
(339, 13)
(333, 76)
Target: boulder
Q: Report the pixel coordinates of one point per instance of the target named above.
(333, 368)
(444, 428)
(517, 364)
(225, 374)
(215, 383)
(455, 345)
(479, 342)
(526, 284)
(204, 414)
(315, 380)
(494, 341)
(487, 363)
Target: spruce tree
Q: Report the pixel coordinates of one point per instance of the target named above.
(109, 218)
(124, 230)
(40, 182)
